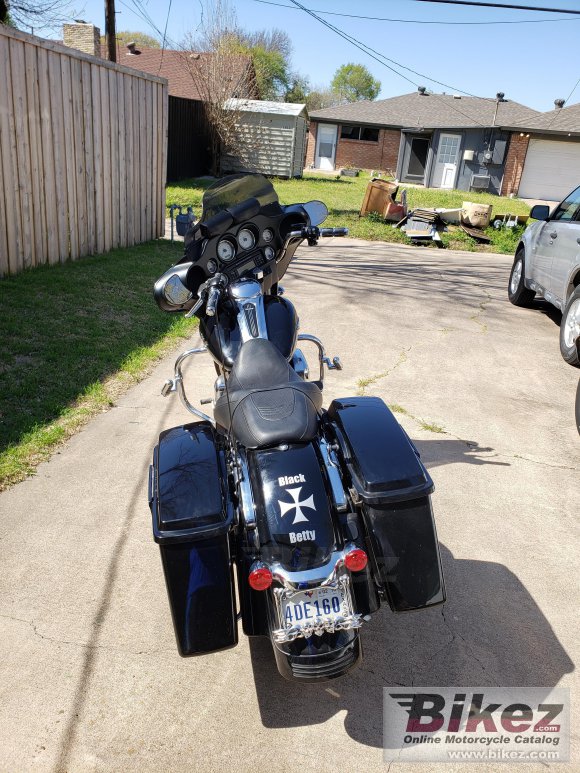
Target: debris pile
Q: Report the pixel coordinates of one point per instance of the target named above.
(423, 225)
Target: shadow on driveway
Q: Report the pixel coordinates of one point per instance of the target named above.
(490, 632)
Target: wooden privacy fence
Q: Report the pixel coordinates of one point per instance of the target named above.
(83, 146)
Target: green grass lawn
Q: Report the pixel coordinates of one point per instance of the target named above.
(343, 197)
(73, 337)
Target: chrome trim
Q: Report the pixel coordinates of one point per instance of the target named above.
(334, 364)
(321, 575)
(176, 384)
(332, 469)
(299, 364)
(247, 294)
(351, 620)
(247, 504)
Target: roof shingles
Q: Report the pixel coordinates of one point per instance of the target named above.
(429, 111)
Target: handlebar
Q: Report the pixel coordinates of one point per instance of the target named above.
(212, 301)
(312, 233)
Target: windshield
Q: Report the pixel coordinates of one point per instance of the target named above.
(235, 189)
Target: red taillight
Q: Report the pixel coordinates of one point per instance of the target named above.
(356, 560)
(260, 577)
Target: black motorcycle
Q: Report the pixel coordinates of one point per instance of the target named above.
(321, 514)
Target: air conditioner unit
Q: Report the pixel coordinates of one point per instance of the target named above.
(480, 182)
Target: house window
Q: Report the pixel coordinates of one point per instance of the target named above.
(365, 133)
(448, 147)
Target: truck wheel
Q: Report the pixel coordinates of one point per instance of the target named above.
(570, 330)
(518, 293)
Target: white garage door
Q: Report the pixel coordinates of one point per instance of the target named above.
(551, 170)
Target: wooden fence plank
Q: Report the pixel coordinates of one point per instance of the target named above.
(99, 201)
(57, 119)
(154, 160)
(79, 156)
(49, 174)
(163, 139)
(9, 259)
(149, 178)
(142, 161)
(106, 145)
(137, 209)
(22, 149)
(121, 161)
(38, 204)
(129, 160)
(114, 169)
(69, 156)
(89, 160)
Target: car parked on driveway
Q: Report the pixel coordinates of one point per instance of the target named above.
(547, 263)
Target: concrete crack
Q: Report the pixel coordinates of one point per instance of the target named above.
(482, 309)
(456, 635)
(79, 644)
(363, 383)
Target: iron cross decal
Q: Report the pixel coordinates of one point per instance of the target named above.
(296, 505)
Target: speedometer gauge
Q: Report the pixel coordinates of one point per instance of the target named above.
(246, 239)
(226, 250)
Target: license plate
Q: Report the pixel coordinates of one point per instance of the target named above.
(314, 606)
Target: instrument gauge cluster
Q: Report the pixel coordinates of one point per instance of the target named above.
(226, 249)
(246, 239)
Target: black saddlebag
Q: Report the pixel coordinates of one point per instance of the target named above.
(192, 518)
(393, 488)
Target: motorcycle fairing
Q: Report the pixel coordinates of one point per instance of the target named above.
(192, 518)
(393, 489)
(293, 507)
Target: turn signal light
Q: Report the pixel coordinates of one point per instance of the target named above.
(260, 577)
(356, 560)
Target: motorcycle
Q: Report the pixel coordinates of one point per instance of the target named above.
(296, 519)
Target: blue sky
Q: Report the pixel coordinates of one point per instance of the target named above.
(533, 63)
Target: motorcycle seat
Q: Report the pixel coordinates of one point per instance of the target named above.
(269, 403)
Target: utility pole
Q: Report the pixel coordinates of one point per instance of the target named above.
(110, 34)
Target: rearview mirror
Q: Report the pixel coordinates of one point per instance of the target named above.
(317, 212)
(540, 212)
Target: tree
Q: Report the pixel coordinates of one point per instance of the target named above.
(320, 97)
(219, 73)
(39, 15)
(298, 88)
(353, 82)
(139, 38)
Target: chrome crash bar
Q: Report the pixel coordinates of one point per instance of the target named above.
(175, 384)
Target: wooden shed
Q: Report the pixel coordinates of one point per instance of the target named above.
(271, 138)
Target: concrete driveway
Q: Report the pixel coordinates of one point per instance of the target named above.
(89, 674)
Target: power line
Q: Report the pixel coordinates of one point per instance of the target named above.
(508, 7)
(416, 21)
(367, 49)
(164, 36)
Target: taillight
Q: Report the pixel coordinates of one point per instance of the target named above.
(260, 577)
(356, 560)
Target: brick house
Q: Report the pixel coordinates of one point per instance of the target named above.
(544, 157)
(436, 140)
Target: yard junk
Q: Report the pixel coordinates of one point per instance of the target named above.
(476, 233)
(476, 215)
(380, 197)
(423, 225)
(509, 221)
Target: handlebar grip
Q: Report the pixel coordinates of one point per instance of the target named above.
(334, 231)
(212, 301)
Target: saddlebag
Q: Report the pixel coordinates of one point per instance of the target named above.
(393, 488)
(192, 518)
